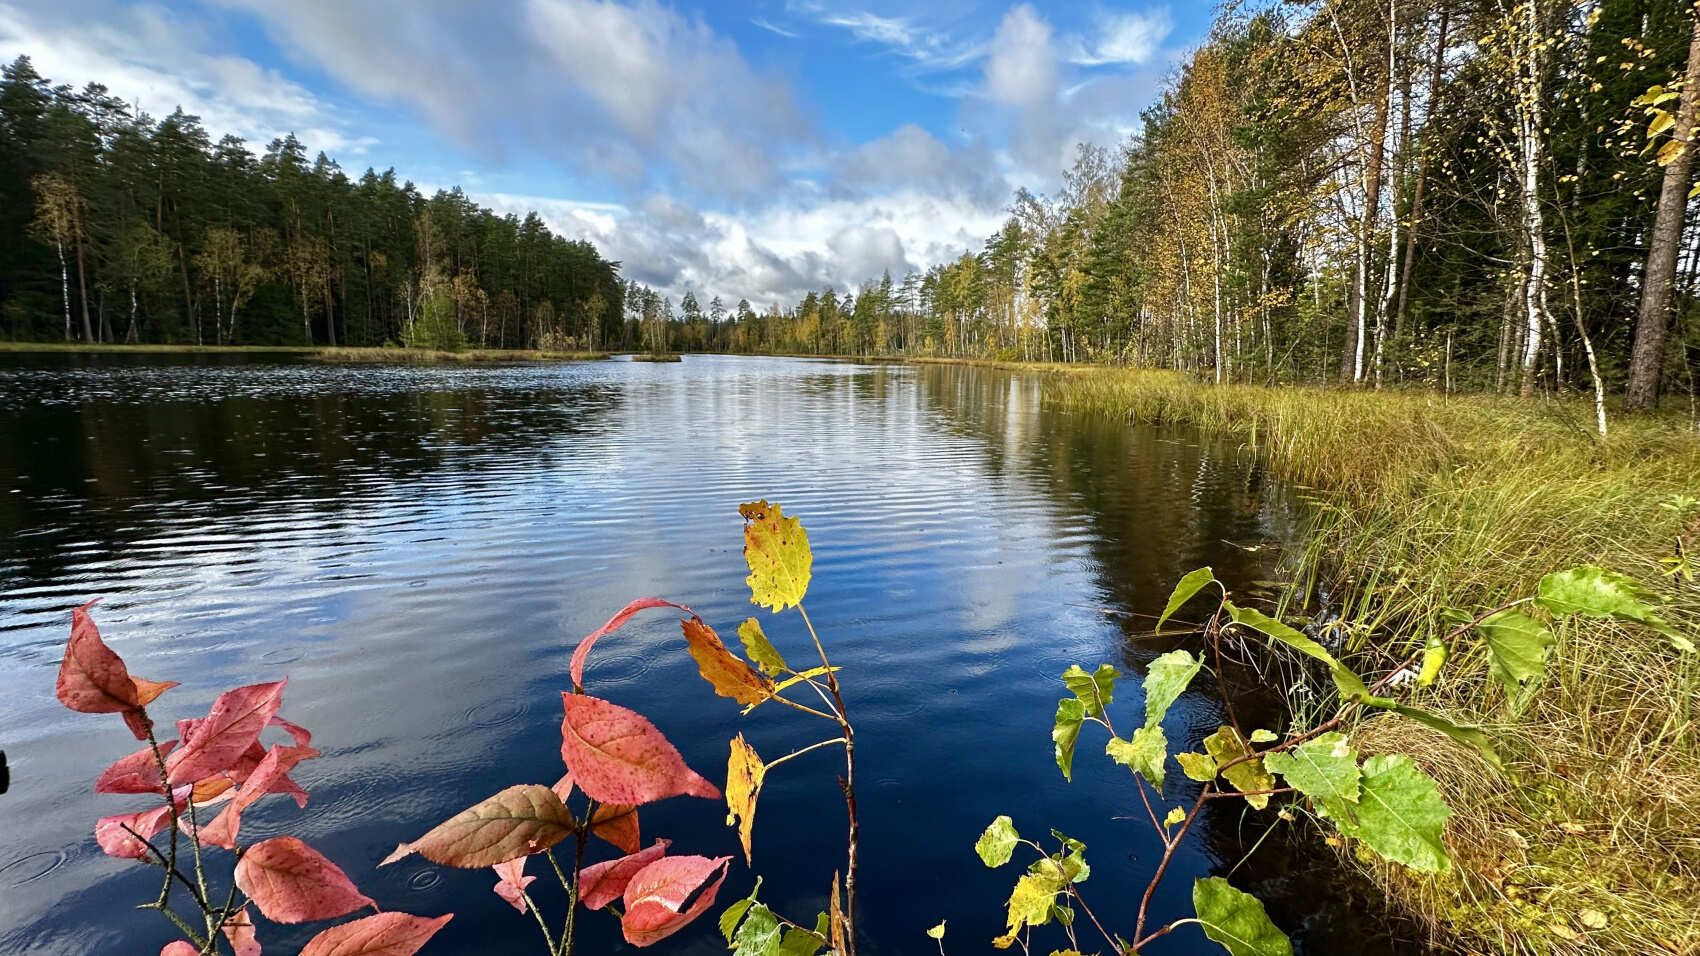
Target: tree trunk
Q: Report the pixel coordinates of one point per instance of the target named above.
(65, 288)
(1658, 281)
(83, 292)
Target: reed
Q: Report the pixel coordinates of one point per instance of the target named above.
(1591, 842)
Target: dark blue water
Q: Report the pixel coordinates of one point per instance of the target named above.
(418, 550)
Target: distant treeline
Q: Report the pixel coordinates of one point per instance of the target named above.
(1480, 194)
(118, 227)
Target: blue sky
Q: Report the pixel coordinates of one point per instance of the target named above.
(739, 149)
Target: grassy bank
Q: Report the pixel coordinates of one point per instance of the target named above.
(317, 353)
(1592, 843)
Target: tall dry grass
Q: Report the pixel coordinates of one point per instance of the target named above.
(1591, 842)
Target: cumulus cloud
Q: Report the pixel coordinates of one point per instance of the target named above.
(678, 155)
(152, 62)
(1021, 70)
(637, 94)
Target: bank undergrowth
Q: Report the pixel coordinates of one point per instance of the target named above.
(1591, 842)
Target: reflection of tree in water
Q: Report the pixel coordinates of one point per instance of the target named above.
(105, 473)
(1160, 502)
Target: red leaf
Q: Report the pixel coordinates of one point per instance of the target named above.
(116, 841)
(92, 678)
(519, 821)
(617, 756)
(580, 653)
(603, 883)
(296, 731)
(239, 929)
(563, 787)
(134, 773)
(266, 778)
(618, 825)
(655, 895)
(215, 744)
(386, 934)
(511, 882)
(179, 948)
(292, 883)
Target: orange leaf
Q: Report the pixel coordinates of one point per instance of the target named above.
(618, 825)
(727, 672)
(519, 821)
(744, 773)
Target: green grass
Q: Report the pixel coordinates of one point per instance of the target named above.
(1591, 844)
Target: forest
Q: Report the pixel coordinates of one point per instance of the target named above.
(1451, 193)
(118, 227)
(1456, 194)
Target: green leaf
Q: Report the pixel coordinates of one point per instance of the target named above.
(1350, 685)
(1185, 590)
(1261, 736)
(1473, 737)
(1237, 920)
(1165, 679)
(1597, 592)
(937, 932)
(759, 934)
(1095, 690)
(1030, 902)
(1324, 769)
(1518, 646)
(1400, 814)
(761, 650)
(735, 912)
(776, 548)
(800, 942)
(1174, 816)
(1144, 754)
(1200, 767)
(1247, 776)
(1066, 732)
(997, 844)
(1435, 653)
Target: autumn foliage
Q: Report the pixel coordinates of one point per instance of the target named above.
(616, 761)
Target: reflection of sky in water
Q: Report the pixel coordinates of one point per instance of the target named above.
(418, 549)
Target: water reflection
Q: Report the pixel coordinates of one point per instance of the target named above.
(417, 548)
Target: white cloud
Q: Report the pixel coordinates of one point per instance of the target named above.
(926, 49)
(145, 58)
(1021, 70)
(1129, 38)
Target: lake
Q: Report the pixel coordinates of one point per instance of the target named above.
(419, 548)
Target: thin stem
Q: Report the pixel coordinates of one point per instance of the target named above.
(548, 938)
(798, 753)
(847, 783)
(172, 871)
(572, 891)
(1074, 891)
(805, 708)
(1168, 856)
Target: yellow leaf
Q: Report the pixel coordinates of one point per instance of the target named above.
(744, 774)
(728, 673)
(1247, 776)
(1670, 151)
(776, 548)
